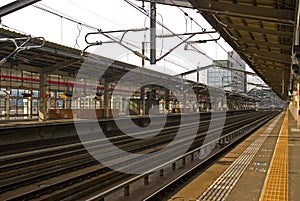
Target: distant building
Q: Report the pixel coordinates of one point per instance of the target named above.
(229, 80)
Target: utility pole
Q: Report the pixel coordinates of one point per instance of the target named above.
(142, 98)
(198, 80)
(143, 53)
(245, 83)
(198, 74)
(152, 32)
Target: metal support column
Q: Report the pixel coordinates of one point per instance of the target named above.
(297, 80)
(142, 101)
(143, 53)
(106, 99)
(7, 104)
(198, 74)
(245, 83)
(198, 96)
(153, 32)
(64, 103)
(142, 98)
(29, 106)
(297, 115)
(43, 97)
(167, 100)
(184, 105)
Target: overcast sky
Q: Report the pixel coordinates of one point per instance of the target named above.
(104, 15)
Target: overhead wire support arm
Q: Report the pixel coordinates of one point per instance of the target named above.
(185, 34)
(216, 66)
(204, 41)
(124, 30)
(113, 40)
(183, 41)
(22, 44)
(167, 53)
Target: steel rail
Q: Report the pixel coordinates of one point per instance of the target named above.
(126, 184)
(88, 175)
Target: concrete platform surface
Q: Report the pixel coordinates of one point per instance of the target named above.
(250, 170)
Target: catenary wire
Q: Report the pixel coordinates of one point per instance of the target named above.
(76, 21)
(186, 14)
(158, 22)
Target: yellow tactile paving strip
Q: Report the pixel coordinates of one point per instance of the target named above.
(194, 190)
(276, 183)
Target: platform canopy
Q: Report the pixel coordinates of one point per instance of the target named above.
(61, 60)
(260, 31)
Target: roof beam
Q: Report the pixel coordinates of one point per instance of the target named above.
(50, 47)
(59, 66)
(37, 55)
(61, 51)
(263, 43)
(275, 64)
(216, 66)
(268, 55)
(276, 67)
(259, 30)
(24, 67)
(14, 6)
(245, 11)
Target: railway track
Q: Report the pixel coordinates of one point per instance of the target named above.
(69, 172)
(230, 175)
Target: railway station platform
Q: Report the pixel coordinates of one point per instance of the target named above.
(28, 130)
(263, 167)
(20, 130)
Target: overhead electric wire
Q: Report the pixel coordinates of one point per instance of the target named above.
(186, 14)
(104, 18)
(14, 29)
(66, 17)
(177, 64)
(74, 20)
(162, 25)
(162, 32)
(94, 13)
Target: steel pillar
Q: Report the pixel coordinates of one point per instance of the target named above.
(152, 32)
(43, 97)
(106, 99)
(7, 104)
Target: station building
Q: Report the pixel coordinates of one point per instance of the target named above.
(40, 82)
